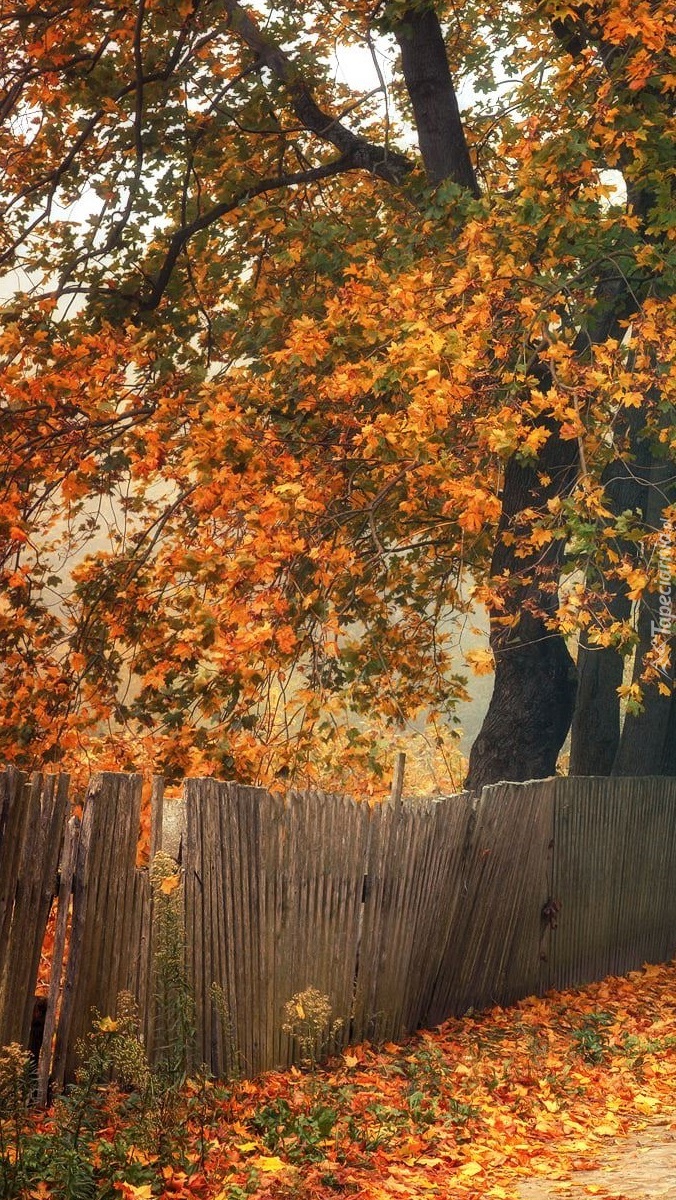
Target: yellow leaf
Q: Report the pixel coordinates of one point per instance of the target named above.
(269, 1163)
(170, 884)
(646, 1104)
(636, 581)
(107, 1025)
(481, 661)
(350, 1060)
(470, 1168)
(246, 1147)
(607, 1128)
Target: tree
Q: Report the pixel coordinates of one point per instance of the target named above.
(318, 383)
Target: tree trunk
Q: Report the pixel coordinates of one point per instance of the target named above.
(424, 63)
(645, 747)
(530, 710)
(669, 753)
(535, 681)
(595, 732)
(646, 744)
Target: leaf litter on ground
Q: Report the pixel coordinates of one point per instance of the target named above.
(468, 1110)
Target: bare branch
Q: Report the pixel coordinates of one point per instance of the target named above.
(363, 154)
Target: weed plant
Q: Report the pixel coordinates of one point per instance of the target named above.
(307, 1020)
(16, 1084)
(174, 1005)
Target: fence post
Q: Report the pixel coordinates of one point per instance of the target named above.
(398, 780)
(156, 815)
(33, 821)
(66, 874)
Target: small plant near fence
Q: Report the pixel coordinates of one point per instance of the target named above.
(174, 1004)
(16, 1083)
(591, 1039)
(73, 1155)
(307, 1020)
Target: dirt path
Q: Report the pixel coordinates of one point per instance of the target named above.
(640, 1167)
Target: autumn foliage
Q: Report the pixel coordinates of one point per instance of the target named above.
(470, 1110)
(263, 378)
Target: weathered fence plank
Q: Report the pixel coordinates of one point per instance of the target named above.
(66, 874)
(12, 833)
(31, 830)
(102, 962)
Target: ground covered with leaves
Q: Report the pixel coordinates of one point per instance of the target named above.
(472, 1109)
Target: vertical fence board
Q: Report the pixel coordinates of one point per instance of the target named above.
(230, 967)
(219, 970)
(34, 821)
(194, 892)
(13, 814)
(66, 873)
(452, 818)
(377, 896)
(101, 958)
(241, 979)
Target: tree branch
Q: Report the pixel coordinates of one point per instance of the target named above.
(213, 214)
(384, 163)
(435, 107)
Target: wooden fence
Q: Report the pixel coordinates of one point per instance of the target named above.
(401, 914)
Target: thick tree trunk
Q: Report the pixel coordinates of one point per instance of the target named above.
(669, 753)
(645, 746)
(535, 681)
(595, 732)
(441, 136)
(530, 709)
